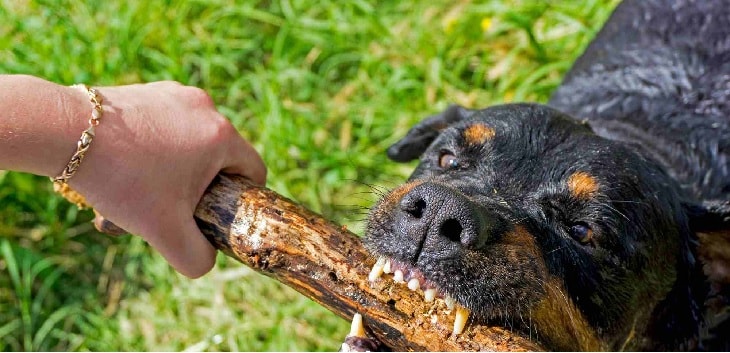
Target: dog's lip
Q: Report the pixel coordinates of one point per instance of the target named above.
(415, 280)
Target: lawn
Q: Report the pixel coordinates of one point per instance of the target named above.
(321, 88)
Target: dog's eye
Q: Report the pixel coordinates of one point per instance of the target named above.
(448, 161)
(581, 232)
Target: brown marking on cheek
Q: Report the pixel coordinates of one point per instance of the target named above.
(582, 185)
(478, 134)
(559, 321)
(520, 240)
(555, 316)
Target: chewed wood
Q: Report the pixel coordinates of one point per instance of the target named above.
(328, 264)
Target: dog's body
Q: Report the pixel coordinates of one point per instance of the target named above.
(658, 75)
(587, 224)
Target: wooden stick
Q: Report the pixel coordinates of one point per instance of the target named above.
(328, 264)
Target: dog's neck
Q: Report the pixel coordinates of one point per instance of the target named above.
(714, 256)
(713, 335)
(695, 315)
(675, 321)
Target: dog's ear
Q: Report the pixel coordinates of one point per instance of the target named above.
(711, 222)
(420, 136)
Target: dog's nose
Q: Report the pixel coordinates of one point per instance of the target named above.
(433, 212)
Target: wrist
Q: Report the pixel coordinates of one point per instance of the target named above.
(42, 123)
(76, 116)
(87, 136)
(60, 182)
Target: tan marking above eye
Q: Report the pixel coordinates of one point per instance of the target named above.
(582, 185)
(478, 134)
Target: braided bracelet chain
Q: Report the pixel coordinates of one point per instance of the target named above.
(60, 183)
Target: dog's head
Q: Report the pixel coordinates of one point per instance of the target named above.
(524, 216)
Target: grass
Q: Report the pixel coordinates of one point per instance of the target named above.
(321, 88)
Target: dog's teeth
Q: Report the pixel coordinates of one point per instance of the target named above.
(429, 295)
(356, 328)
(398, 276)
(387, 268)
(377, 270)
(449, 302)
(462, 314)
(413, 284)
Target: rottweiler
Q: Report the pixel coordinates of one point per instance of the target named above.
(600, 221)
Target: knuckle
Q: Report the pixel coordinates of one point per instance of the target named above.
(197, 96)
(224, 128)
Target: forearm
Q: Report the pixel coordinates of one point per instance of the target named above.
(40, 122)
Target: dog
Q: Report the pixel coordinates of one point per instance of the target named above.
(600, 221)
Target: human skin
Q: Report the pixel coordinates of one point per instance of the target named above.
(157, 147)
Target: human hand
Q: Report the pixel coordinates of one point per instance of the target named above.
(158, 147)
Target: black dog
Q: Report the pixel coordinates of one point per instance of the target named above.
(600, 221)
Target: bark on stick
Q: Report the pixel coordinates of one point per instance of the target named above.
(327, 263)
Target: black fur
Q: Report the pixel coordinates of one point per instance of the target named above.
(645, 112)
(658, 76)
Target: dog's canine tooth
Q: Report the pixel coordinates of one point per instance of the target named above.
(387, 268)
(357, 329)
(429, 295)
(398, 276)
(462, 314)
(414, 284)
(377, 270)
(449, 302)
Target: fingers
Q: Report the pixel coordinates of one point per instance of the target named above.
(242, 159)
(185, 248)
(106, 226)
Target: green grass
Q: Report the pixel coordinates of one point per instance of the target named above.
(321, 88)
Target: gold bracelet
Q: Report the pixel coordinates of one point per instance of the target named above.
(60, 183)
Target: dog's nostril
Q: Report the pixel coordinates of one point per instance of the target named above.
(414, 208)
(451, 229)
